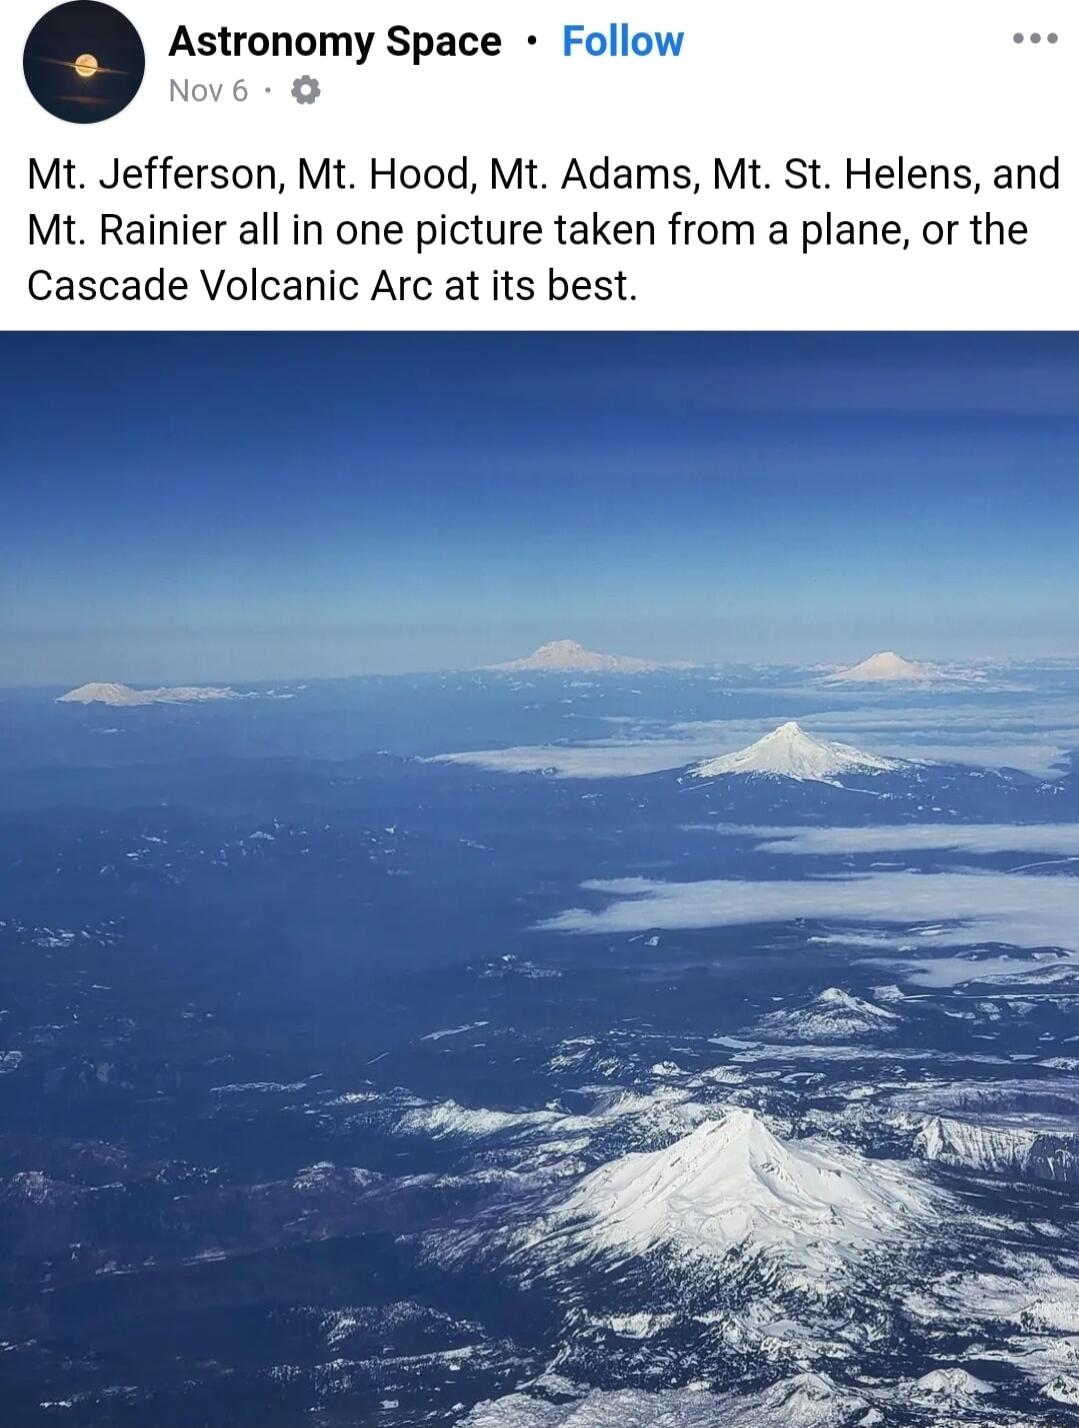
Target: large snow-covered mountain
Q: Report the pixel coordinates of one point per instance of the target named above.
(790, 752)
(887, 667)
(569, 656)
(122, 696)
(731, 1188)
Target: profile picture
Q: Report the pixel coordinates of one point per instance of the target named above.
(84, 62)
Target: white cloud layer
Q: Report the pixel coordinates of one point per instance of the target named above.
(1016, 735)
(904, 910)
(1048, 838)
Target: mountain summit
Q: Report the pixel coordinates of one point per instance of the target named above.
(789, 752)
(568, 655)
(887, 667)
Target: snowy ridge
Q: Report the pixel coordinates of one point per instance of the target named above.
(789, 752)
(1006, 1150)
(448, 1118)
(122, 696)
(833, 1015)
(1025, 1129)
(806, 1400)
(730, 1186)
(569, 655)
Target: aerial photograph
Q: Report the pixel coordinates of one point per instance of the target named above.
(539, 880)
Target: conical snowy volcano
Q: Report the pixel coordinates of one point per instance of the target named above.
(729, 1186)
(887, 667)
(789, 752)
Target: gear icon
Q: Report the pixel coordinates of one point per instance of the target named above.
(305, 90)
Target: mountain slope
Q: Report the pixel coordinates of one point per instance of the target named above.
(789, 752)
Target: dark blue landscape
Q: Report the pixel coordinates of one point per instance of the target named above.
(348, 1083)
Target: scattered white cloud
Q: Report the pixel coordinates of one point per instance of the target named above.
(607, 759)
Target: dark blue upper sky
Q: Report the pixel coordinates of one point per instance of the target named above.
(234, 506)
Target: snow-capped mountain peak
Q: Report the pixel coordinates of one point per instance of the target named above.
(832, 1015)
(955, 1385)
(790, 752)
(559, 655)
(730, 1185)
(101, 693)
(887, 667)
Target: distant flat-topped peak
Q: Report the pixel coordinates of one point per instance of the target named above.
(122, 696)
(568, 655)
(790, 752)
(887, 667)
(101, 693)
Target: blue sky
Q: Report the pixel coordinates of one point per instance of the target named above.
(237, 506)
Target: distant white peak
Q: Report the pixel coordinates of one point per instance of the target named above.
(731, 1185)
(569, 655)
(789, 752)
(887, 667)
(833, 1015)
(123, 696)
(953, 1383)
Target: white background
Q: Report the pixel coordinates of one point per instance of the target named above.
(932, 82)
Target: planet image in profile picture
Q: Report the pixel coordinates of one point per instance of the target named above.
(84, 62)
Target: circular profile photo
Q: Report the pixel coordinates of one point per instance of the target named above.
(84, 62)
